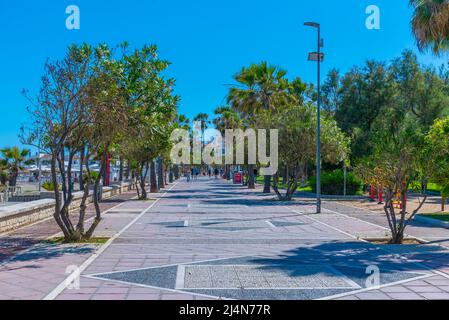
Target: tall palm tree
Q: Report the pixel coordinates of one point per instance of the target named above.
(203, 118)
(260, 87)
(226, 118)
(430, 24)
(182, 122)
(14, 160)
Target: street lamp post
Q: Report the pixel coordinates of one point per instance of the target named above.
(318, 57)
(39, 164)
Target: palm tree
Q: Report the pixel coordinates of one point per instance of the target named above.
(182, 122)
(226, 119)
(260, 87)
(3, 173)
(430, 24)
(203, 118)
(14, 160)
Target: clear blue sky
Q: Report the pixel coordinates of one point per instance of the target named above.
(207, 41)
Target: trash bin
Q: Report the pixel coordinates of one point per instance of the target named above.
(238, 178)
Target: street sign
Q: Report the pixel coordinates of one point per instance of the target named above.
(313, 56)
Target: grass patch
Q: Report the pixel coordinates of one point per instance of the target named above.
(149, 199)
(94, 240)
(442, 216)
(386, 241)
(305, 189)
(433, 187)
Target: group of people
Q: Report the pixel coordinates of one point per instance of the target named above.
(193, 173)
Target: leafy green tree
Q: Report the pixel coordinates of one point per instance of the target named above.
(419, 90)
(59, 114)
(398, 160)
(150, 98)
(438, 156)
(297, 144)
(96, 101)
(363, 92)
(330, 91)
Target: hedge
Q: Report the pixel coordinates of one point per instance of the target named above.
(332, 183)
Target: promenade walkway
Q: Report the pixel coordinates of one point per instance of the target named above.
(209, 239)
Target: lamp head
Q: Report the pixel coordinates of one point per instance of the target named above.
(312, 24)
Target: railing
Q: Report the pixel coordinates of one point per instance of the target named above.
(10, 192)
(14, 191)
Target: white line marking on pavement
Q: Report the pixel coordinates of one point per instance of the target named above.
(164, 266)
(160, 288)
(63, 285)
(180, 277)
(336, 296)
(270, 224)
(327, 225)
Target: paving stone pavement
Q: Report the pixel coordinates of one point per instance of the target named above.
(13, 242)
(209, 239)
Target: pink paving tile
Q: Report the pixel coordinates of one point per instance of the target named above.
(422, 289)
(405, 296)
(435, 295)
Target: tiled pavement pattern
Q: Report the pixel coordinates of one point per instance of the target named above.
(209, 239)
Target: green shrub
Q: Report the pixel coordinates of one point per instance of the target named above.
(332, 183)
(94, 175)
(47, 185)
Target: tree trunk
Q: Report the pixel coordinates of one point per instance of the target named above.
(171, 175)
(81, 178)
(266, 184)
(143, 179)
(128, 169)
(286, 177)
(176, 171)
(13, 178)
(96, 195)
(120, 174)
(96, 198)
(57, 213)
(443, 202)
(80, 226)
(153, 179)
(251, 182)
(160, 173)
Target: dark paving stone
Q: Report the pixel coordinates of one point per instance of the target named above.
(250, 272)
(285, 223)
(164, 277)
(171, 224)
